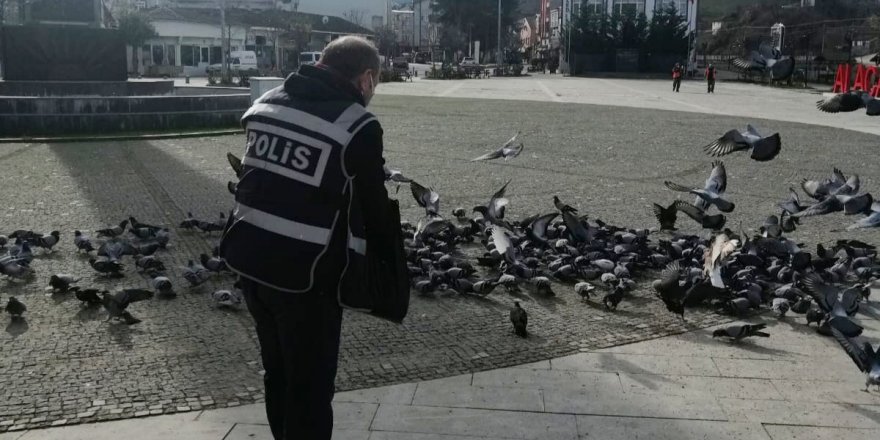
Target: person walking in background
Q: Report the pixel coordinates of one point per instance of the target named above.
(677, 71)
(710, 77)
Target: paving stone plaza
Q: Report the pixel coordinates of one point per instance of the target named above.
(604, 146)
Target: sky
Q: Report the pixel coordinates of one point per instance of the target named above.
(339, 7)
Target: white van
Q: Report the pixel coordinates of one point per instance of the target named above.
(239, 61)
(309, 58)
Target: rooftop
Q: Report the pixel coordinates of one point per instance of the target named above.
(266, 18)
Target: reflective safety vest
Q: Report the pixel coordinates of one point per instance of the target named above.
(293, 201)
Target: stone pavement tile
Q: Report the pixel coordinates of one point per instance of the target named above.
(829, 392)
(790, 432)
(11, 435)
(171, 426)
(475, 422)
(638, 364)
(781, 369)
(543, 379)
(244, 431)
(596, 402)
(697, 385)
(542, 365)
(400, 394)
(802, 413)
(515, 399)
(460, 380)
(346, 415)
(628, 428)
(386, 435)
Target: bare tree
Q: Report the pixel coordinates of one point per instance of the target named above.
(355, 16)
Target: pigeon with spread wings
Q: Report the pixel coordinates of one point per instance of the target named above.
(763, 148)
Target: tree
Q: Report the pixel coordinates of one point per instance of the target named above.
(355, 16)
(477, 16)
(135, 30)
(667, 33)
(386, 40)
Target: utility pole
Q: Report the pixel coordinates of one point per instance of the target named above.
(224, 71)
(498, 59)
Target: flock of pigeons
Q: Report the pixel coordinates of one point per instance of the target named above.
(732, 273)
(105, 254)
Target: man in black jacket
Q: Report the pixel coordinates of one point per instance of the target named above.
(313, 169)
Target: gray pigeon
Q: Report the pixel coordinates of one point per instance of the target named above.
(520, 319)
(15, 308)
(764, 148)
(62, 282)
(712, 192)
(865, 357)
(228, 298)
(850, 102)
(739, 332)
(116, 305)
(82, 242)
(508, 151)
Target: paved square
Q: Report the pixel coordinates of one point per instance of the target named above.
(70, 366)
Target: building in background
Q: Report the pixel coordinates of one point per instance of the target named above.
(403, 25)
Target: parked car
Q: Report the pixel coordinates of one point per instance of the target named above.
(240, 62)
(309, 58)
(423, 58)
(400, 63)
(469, 62)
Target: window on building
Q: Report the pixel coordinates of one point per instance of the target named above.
(146, 55)
(158, 54)
(680, 5)
(205, 55)
(624, 7)
(189, 55)
(595, 6)
(216, 55)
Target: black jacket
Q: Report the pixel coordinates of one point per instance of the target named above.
(317, 92)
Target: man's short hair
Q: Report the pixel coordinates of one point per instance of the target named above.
(351, 56)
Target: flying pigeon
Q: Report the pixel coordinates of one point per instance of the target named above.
(426, 198)
(714, 258)
(669, 290)
(520, 320)
(493, 211)
(713, 191)
(507, 151)
(865, 357)
(235, 164)
(763, 148)
(850, 102)
(739, 332)
(666, 216)
(562, 207)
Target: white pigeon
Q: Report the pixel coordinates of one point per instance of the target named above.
(714, 258)
(507, 151)
(227, 298)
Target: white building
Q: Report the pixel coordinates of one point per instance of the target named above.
(427, 32)
(403, 25)
(687, 8)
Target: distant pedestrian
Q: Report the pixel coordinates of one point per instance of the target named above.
(677, 71)
(711, 72)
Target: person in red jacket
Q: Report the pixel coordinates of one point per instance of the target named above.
(710, 77)
(676, 77)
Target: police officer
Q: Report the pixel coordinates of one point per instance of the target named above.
(298, 235)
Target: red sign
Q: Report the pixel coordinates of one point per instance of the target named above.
(867, 79)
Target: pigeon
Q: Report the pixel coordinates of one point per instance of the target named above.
(15, 268)
(739, 332)
(235, 164)
(850, 205)
(780, 307)
(48, 241)
(189, 222)
(426, 198)
(850, 102)
(149, 262)
(227, 298)
(214, 264)
(583, 289)
(669, 290)
(116, 305)
(520, 320)
(89, 297)
(4, 240)
(763, 148)
(195, 273)
(135, 224)
(493, 212)
(714, 258)
(22, 251)
(713, 191)
(215, 226)
(767, 60)
(507, 151)
(612, 300)
(115, 248)
(163, 287)
(816, 316)
(714, 222)
(666, 216)
(562, 207)
(865, 357)
(395, 176)
(793, 204)
(115, 231)
(536, 230)
(108, 267)
(15, 308)
(62, 282)
(82, 242)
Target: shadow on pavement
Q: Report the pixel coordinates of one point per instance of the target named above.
(17, 327)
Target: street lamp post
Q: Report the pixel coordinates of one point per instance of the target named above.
(498, 56)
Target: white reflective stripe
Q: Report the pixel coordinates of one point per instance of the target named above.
(282, 226)
(350, 116)
(356, 244)
(301, 118)
(362, 124)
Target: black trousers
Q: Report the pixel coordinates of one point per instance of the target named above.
(711, 86)
(299, 344)
(676, 84)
